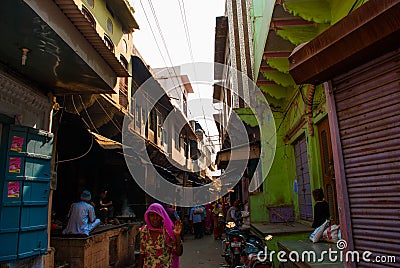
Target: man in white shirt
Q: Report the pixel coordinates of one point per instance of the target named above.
(81, 216)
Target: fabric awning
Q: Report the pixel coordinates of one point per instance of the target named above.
(106, 143)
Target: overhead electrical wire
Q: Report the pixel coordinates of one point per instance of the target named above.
(88, 127)
(183, 13)
(183, 16)
(112, 121)
(77, 112)
(90, 119)
(158, 46)
(78, 157)
(187, 34)
(165, 46)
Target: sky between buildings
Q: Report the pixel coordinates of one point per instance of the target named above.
(163, 41)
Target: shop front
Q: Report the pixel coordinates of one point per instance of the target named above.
(25, 159)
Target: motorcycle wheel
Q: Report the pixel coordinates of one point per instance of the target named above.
(228, 259)
(235, 261)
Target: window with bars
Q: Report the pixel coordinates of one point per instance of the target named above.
(90, 3)
(160, 130)
(110, 27)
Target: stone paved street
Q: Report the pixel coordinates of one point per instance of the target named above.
(201, 253)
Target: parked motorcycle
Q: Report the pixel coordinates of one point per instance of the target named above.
(244, 250)
(255, 255)
(233, 244)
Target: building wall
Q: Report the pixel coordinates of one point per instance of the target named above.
(261, 14)
(117, 36)
(240, 48)
(292, 123)
(292, 116)
(27, 105)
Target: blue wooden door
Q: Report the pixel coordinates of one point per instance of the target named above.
(25, 193)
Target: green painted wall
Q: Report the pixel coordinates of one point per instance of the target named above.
(276, 190)
(291, 114)
(100, 13)
(278, 187)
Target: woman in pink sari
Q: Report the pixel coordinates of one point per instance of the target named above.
(160, 241)
(208, 220)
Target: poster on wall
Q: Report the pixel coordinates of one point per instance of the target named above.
(17, 143)
(13, 189)
(14, 165)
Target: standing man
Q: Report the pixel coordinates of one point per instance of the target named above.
(234, 213)
(197, 215)
(81, 216)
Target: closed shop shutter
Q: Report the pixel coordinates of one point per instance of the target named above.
(368, 112)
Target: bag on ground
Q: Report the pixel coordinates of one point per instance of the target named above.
(318, 232)
(331, 234)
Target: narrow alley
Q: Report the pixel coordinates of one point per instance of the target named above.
(127, 123)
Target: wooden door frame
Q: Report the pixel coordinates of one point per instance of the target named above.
(328, 173)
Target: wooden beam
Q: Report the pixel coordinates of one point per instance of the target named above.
(276, 54)
(265, 82)
(276, 23)
(267, 68)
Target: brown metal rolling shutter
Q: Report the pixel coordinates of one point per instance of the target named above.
(368, 111)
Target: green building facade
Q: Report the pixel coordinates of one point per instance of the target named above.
(302, 160)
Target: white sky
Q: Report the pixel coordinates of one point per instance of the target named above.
(200, 17)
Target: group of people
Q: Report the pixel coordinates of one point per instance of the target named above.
(211, 218)
(160, 237)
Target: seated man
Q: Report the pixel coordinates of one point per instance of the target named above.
(104, 208)
(81, 216)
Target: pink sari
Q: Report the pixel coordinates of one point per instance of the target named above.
(167, 224)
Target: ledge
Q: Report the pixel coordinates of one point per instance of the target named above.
(371, 30)
(299, 246)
